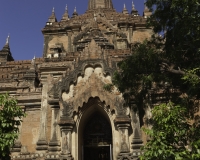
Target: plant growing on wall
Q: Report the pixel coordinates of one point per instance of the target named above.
(10, 119)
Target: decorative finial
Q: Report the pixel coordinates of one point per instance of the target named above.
(66, 8)
(124, 6)
(75, 9)
(53, 10)
(7, 39)
(33, 61)
(133, 6)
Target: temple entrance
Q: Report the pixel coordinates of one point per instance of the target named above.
(97, 138)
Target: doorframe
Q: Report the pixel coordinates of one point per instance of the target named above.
(87, 111)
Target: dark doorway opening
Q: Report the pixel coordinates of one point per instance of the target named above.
(97, 139)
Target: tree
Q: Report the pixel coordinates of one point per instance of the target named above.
(10, 119)
(164, 64)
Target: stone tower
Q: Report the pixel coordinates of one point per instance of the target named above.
(69, 114)
(94, 4)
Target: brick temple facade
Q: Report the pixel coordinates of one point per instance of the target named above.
(69, 114)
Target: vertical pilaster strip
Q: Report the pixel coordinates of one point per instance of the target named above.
(54, 144)
(123, 123)
(123, 129)
(69, 42)
(137, 142)
(130, 34)
(42, 140)
(66, 127)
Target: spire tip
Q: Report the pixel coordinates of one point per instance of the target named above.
(7, 39)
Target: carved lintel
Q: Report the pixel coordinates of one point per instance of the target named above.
(66, 122)
(122, 120)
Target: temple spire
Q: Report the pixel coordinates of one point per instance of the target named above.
(133, 6)
(5, 54)
(125, 11)
(52, 18)
(134, 12)
(65, 16)
(94, 4)
(75, 13)
(7, 40)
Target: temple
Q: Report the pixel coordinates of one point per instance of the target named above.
(69, 114)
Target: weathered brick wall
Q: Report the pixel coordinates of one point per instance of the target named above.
(30, 129)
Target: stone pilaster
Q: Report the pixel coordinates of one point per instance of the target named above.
(54, 144)
(123, 123)
(66, 127)
(136, 144)
(69, 41)
(42, 144)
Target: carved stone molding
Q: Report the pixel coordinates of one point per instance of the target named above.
(61, 86)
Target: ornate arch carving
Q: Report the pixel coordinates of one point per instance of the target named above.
(63, 85)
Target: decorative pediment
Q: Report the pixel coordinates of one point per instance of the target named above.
(63, 85)
(87, 81)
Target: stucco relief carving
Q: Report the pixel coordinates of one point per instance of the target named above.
(66, 108)
(65, 146)
(121, 108)
(89, 83)
(63, 85)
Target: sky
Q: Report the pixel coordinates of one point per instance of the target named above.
(23, 20)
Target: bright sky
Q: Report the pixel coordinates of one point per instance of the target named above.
(24, 20)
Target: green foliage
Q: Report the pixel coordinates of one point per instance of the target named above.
(191, 76)
(170, 135)
(173, 61)
(180, 20)
(10, 115)
(137, 72)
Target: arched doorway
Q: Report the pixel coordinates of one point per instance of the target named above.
(95, 131)
(97, 138)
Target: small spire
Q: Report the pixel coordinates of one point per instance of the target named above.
(7, 39)
(125, 11)
(65, 16)
(134, 12)
(124, 6)
(66, 8)
(52, 18)
(33, 63)
(75, 13)
(133, 6)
